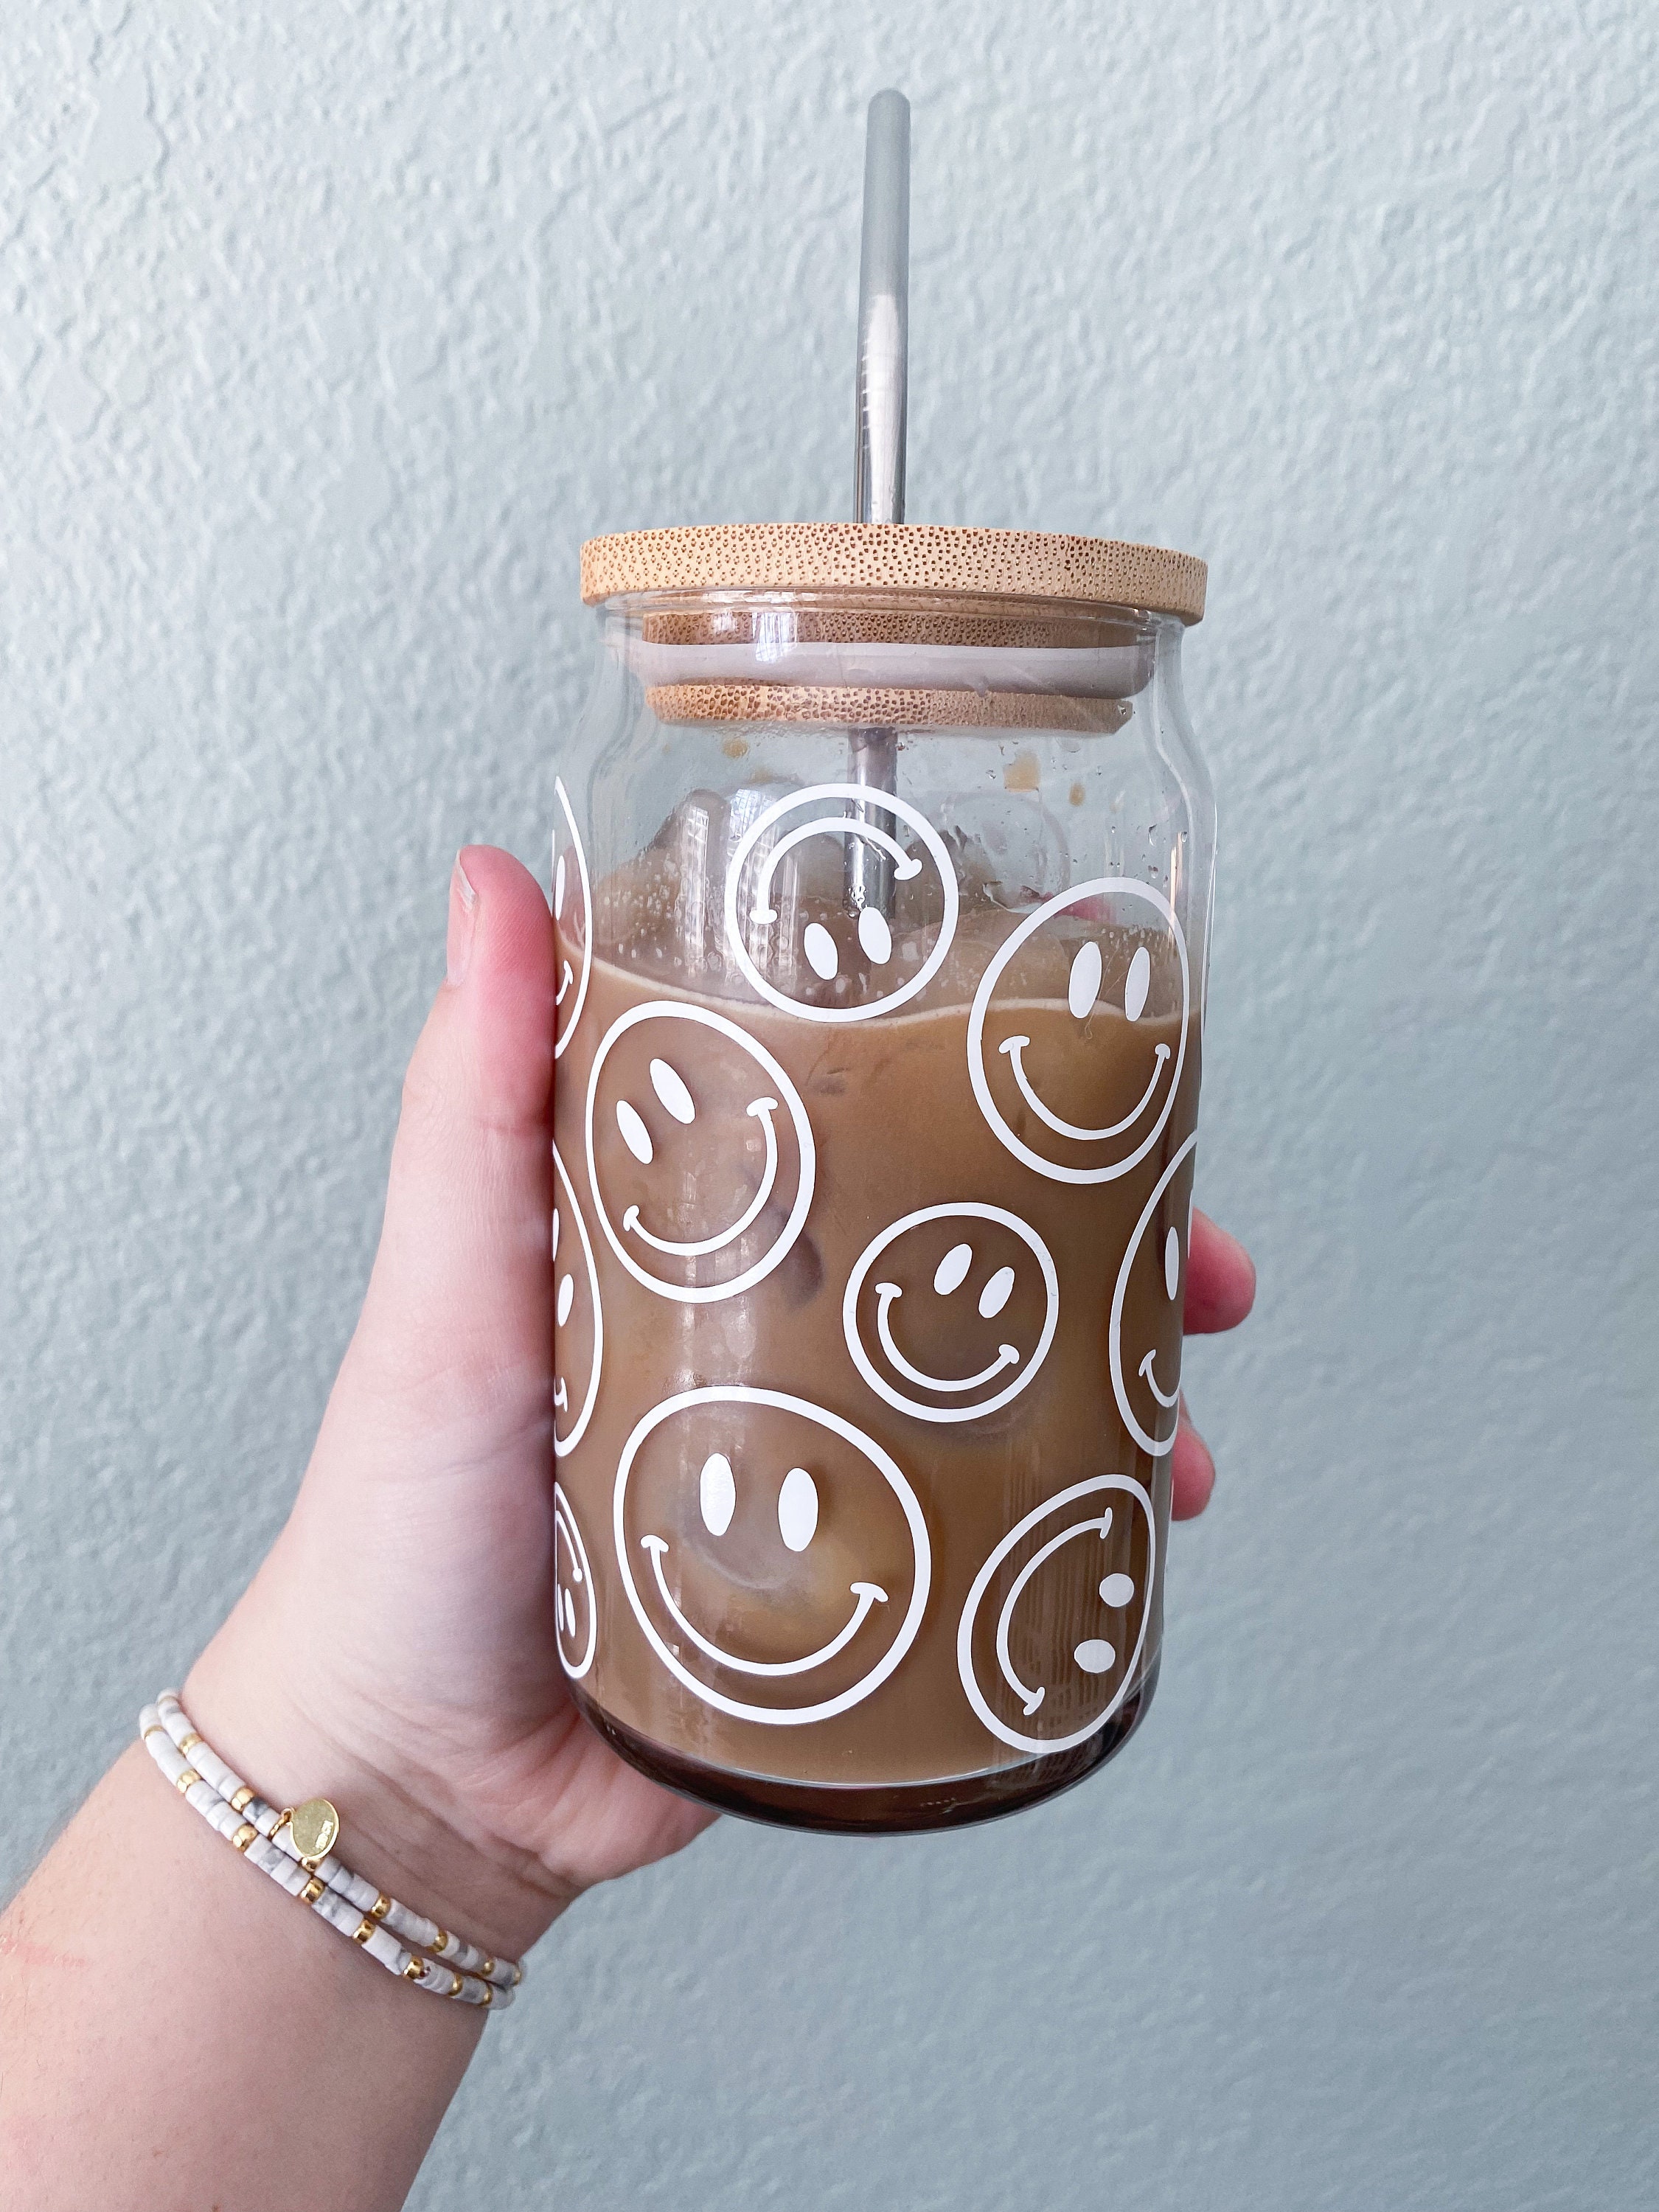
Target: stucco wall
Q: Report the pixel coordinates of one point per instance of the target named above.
(326, 333)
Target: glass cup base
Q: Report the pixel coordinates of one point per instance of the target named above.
(888, 1808)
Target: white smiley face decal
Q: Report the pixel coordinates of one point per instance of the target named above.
(578, 1318)
(1056, 1623)
(1106, 969)
(577, 1621)
(864, 970)
(572, 921)
(700, 1155)
(974, 1294)
(775, 1557)
(1144, 1335)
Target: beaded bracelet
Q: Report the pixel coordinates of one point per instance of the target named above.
(294, 1847)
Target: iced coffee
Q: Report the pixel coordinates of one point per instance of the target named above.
(870, 1250)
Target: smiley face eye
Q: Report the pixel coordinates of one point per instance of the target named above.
(1083, 987)
(798, 1508)
(1172, 1262)
(558, 886)
(1095, 1655)
(820, 949)
(717, 1493)
(1117, 1589)
(952, 1270)
(1136, 983)
(996, 1294)
(875, 937)
(670, 1086)
(567, 1298)
(555, 1253)
(634, 1134)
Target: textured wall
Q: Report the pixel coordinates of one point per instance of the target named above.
(324, 340)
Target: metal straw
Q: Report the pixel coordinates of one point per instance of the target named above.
(879, 451)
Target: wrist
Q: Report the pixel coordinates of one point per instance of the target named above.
(399, 1827)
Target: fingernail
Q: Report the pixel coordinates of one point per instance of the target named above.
(463, 913)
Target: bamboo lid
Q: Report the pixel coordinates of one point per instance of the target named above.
(895, 557)
(891, 708)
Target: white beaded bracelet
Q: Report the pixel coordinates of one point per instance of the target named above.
(294, 1847)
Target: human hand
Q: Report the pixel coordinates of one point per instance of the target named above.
(397, 1651)
(1220, 1292)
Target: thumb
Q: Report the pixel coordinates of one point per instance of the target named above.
(457, 1321)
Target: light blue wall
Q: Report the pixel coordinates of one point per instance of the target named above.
(324, 340)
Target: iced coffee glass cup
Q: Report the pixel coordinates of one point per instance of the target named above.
(882, 872)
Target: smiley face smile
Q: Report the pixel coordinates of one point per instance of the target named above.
(1007, 1355)
(1154, 1435)
(763, 1109)
(1145, 1371)
(866, 833)
(575, 1620)
(575, 1298)
(1015, 1046)
(867, 1594)
(1032, 1698)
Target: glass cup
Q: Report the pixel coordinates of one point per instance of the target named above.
(881, 875)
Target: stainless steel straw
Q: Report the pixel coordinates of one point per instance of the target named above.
(879, 448)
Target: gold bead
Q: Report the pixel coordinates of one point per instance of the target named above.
(488, 1968)
(364, 1930)
(439, 1942)
(245, 1835)
(189, 1742)
(415, 1970)
(454, 1984)
(488, 1997)
(381, 1907)
(154, 1729)
(187, 1781)
(312, 1890)
(518, 1976)
(242, 1798)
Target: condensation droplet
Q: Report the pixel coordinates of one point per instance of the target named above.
(634, 1134)
(1118, 1590)
(1083, 987)
(952, 1269)
(875, 936)
(567, 1298)
(1136, 983)
(798, 1508)
(1172, 1261)
(1095, 1655)
(670, 1087)
(820, 949)
(996, 1293)
(717, 1493)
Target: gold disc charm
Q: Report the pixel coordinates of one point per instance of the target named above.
(315, 1828)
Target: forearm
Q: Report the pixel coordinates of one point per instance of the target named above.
(176, 2033)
